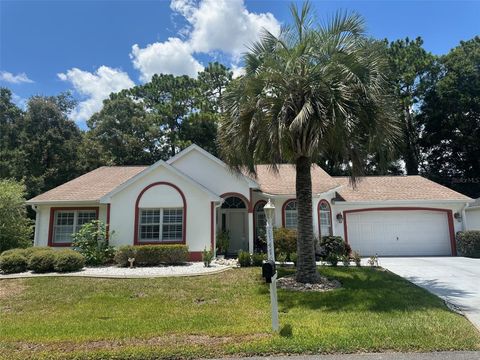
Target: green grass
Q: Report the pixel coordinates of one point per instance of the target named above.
(221, 314)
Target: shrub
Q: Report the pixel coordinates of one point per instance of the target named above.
(28, 252)
(244, 258)
(68, 260)
(293, 258)
(285, 241)
(16, 227)
(258, 258)
(345, 260)
(207, 257)
(357, 259)
(42, 261)
(13, 262)
(469, 243)
(281, 258)
(332, 259)
(332, 245)
(152, 255)
(91, 241)
(223, 242)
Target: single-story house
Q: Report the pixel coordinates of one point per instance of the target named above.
(473, 215)
(194, 195)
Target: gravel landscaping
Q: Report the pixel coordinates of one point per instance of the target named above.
(189, 269)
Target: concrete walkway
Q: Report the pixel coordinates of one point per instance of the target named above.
(455, 355)
(454, 279)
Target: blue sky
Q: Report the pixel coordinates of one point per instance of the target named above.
(95, 47)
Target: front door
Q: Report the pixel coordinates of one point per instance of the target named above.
(236, 224)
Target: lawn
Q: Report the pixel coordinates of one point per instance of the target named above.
(221, 314)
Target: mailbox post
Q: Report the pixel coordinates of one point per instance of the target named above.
(268, 269)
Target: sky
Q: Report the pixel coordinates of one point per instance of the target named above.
(93, 48)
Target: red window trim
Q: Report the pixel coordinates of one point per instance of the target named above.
(283, 209)
(137, 212)
(212, 226)
(255, 217)
(449, 213)
(52, 219)
(240, 196)
(324, 201)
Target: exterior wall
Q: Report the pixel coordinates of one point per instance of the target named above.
(198, 208)
(212, 175)
(473, 218)
(43, 223)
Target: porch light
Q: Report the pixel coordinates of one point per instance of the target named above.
(340, 218)
(457, 216)
(269, 210)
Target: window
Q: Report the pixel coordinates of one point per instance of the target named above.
(325, 217)
(233, 202)
(291, 214)
(68, 222)
(161, 225)
(260, 220)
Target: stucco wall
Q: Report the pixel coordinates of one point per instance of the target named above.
(473, 219)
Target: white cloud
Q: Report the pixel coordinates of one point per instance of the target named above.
(223, 25)
(173, 56)
(237, 70)
(213, 26)
(95, 87)
(14, 79)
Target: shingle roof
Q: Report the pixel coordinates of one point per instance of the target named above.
(372, 188)
(283, 181)
(91, 186)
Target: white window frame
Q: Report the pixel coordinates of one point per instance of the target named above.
(160, 225)
(291, 216)
(328, 217)
(76, 226)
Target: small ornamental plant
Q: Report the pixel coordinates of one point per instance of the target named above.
(91, 241)
(207, 257)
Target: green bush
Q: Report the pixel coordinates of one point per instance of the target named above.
(42, 261)
(13, 262)
(293, 258)
(91, 241)
(68, 260)
(345, 260)
(244, 258)
(223, 242)
(258, 258)
(333, 259)
(357, 259)
(468, 243)
(152, 255)
(285, 241)
(16, 227)
(207, 257)
(332, 245)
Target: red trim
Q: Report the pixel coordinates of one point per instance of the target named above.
(318, 217)
(107, 226)
(448, 212)
(184, 235)
(250, 208)
(245, 200)
(254, 218)
(52, 218)
(195, 256)
(212, 226)
(283, 209)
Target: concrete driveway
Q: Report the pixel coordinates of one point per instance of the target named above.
(454, 279)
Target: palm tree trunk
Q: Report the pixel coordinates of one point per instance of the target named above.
(306, 266)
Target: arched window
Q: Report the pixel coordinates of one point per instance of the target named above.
(290, 214)
(325, 218)
(233, 202)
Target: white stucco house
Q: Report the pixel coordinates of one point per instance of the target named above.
(193, 195)
(473, 215)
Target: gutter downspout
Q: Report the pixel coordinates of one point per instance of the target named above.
(464, 217)
(37, 222)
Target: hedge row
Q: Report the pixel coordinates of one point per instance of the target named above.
(152, 255)
(468, 243)
(40, 260)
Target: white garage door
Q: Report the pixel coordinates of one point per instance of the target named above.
(399, 233)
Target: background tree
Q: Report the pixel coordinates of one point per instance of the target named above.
(15, 227)
(310, 90)
(450, 116)
(409, 65)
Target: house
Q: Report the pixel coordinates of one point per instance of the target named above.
(193, 195)
(472, 213)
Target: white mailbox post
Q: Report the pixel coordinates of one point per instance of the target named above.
(269, 210)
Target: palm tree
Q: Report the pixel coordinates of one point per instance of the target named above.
(311, 90)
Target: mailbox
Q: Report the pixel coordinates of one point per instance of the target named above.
(268, 270)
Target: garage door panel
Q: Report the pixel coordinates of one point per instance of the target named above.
(399, 233)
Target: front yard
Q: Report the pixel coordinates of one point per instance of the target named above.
(221, 314)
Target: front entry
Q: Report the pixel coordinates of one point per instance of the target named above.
(234, 220)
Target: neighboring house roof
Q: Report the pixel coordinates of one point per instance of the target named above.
(91, 186)
(282, 181)
(475, 204)
(381, 188)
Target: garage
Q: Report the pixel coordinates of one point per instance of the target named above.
(399, 232)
